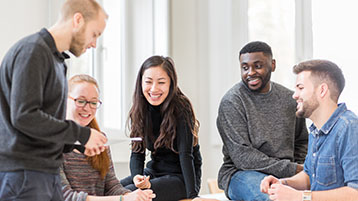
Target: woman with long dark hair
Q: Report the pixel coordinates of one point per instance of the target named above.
(163, 117)
(91, 178)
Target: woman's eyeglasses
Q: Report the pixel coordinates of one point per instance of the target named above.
(82, 103)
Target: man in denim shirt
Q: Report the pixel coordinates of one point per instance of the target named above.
(331, 165)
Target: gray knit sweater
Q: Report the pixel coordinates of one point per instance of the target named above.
(260, 132)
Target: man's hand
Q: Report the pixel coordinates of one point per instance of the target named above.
(139, 195)
(95, 143)
(299, 168)
(141, 181)
(279, 192)
(267, 182)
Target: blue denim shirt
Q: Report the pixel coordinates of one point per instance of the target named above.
(332, 157)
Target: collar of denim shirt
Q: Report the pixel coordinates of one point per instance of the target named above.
(331, 121)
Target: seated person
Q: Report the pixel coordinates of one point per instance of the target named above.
(91, 178)
(164, 118)
(331, 166)
(257, 124)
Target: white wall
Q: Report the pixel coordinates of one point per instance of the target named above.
(19, 18)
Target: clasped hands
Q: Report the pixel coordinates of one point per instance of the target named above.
(278, 191)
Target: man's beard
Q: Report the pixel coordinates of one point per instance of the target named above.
(308, 107)
(77, 43)
(264, 81)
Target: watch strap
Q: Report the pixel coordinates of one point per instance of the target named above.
(307, 195)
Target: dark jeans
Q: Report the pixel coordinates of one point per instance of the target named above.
(166, 187)
(27, 185)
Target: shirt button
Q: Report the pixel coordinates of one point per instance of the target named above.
(314, 154)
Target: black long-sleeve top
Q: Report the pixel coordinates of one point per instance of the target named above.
(186, 162)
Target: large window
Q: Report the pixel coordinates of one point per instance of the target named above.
(335, 38)
(81, 65)
(104, 63)
(273, 21)
(111, 70)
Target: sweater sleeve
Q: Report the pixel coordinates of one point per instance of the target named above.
(197, 164)
(301, 138)
(136, 164)
(112, 184)
(30, 77)
(185, 149)
(68, 193)
(233, 128)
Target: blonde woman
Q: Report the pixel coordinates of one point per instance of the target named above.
(91, 178)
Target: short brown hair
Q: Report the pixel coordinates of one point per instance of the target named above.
(324, 71)
(88, 8)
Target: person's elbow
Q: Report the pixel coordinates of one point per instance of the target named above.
(18, 120)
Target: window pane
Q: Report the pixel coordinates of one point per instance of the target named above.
(273, 21)
(111, 69)
(335, 39)
(80, 65)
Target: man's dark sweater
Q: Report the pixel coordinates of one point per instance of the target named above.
(33, 95)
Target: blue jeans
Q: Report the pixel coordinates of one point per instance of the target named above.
(27, 185)
(245, 185)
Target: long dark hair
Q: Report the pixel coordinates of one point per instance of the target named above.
(175, 105)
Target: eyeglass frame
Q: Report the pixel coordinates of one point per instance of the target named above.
(87, 102)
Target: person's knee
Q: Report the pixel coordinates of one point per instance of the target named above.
(126, 181)
(245, 185)
(131, 187)
(249, 177)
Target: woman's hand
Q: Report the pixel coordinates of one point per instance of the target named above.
(139, 195)
(141, 181)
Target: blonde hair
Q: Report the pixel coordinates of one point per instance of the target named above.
(99, 162)
(88, 8)
(80, 78)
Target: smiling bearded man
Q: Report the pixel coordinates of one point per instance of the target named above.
(258, 127)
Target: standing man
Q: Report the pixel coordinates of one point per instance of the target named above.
(258, 127)
(331, 166)
(33, 96)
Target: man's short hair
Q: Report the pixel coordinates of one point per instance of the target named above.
(256, 46)
(324, 71)
(88, 8)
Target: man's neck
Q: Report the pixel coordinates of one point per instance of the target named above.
(321, 115)
(62, 36)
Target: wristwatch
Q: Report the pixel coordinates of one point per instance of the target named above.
(307, 195)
